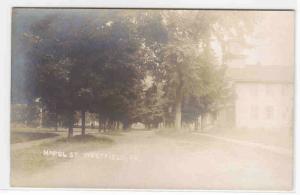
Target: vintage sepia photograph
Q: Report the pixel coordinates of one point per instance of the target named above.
(152, 99)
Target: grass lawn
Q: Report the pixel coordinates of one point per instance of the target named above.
(25, 134)
(31, 159)
(19, 137)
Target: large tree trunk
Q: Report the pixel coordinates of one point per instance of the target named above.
(177, 121)
(70, 128)
(82, 122)
(56, 127)
(42, 112)
(118, 125)
(114, 124)
(70, 131)
(202, 122)
(126, 125)
(56, 118)
(56, 122)
(110, 124)
(196, 124)
(178, 105)
(100, 124)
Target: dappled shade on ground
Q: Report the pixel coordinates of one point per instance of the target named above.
(29, 159)
(19, 137)
(85, 138)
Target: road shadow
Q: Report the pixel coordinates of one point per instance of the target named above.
(86, 139)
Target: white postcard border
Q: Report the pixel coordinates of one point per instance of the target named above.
(5, 51)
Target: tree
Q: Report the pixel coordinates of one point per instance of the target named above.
(98, 63)
(152, 109)
(188, 53)
(88, 63)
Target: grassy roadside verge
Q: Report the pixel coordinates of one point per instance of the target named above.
(31, 160)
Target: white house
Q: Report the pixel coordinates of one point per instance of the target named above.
(263, 97)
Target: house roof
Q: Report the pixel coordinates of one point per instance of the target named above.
(259, 73)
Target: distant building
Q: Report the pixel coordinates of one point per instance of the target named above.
(262, 97)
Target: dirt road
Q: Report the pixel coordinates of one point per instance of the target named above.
(144, 159)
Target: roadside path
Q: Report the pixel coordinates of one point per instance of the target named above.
(274, 149)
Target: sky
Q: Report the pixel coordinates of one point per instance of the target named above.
(273, 39)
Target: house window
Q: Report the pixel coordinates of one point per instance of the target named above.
(254, 91)
(269, 112)
(283, 90)
(254, 112)
(285, 113)
(268, 90)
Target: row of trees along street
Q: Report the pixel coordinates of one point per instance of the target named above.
(127, 66)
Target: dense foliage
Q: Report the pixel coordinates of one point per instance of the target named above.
(154, 67)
